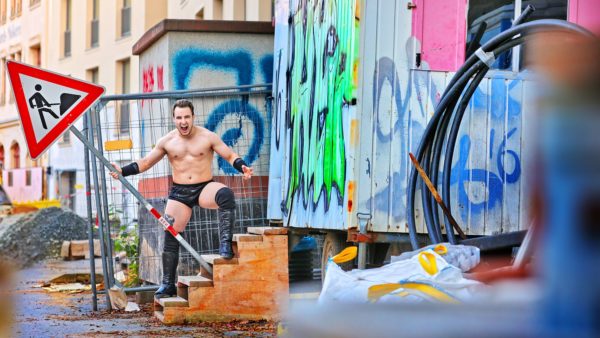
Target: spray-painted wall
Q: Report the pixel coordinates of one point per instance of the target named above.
(363, 155)
(194, 60)
(314, 90)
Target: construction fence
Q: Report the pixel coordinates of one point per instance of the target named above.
(127, 127)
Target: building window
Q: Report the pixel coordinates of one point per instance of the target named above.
(217, 10)
(92, 75)
(126, 18)
(15, 156)
(28, 177)
(123, 112)
(95, 24)
(3, 11)
(3, 82)
(495, 16)
(33, 3)
(15, 57)
(15, 8)
(10, 179)
(35, 55)
(65, 138)
(67, 28)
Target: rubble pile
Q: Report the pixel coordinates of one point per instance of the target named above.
(31, 237)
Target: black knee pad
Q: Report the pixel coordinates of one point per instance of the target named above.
(225, 198)
(171, 243)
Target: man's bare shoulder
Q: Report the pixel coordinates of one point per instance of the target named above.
(205, 133)
(163, 141)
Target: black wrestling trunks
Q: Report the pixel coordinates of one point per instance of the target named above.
(187, 193)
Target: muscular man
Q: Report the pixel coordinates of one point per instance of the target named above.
(190, 151)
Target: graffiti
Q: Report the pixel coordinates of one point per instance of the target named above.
(320, 86)
(386, 74)
(498, 102)
(186, 61)
(148, 80)
(159, 78)
(242, 110)
(240, 63)
(461, 175)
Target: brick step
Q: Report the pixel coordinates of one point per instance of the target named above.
(247, 238)
(195, 281)
(268, 231)
(172, 302)
(159, 315)
(217, 259)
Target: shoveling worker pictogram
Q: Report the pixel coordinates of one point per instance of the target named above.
(38, 101)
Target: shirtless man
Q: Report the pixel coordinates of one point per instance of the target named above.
(190, 151)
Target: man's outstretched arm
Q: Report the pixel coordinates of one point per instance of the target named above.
(143, 164)
(230, 156)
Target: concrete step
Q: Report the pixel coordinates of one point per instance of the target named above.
(172, 302)
(247, 238)
(217, 259)
(267, 231)
(195, 281)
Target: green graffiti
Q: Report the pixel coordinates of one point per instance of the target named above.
(320, 84)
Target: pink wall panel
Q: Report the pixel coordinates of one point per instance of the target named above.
(585, 13)
(440, 26)
(19, 191)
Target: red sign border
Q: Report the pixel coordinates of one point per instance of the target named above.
(94, 92)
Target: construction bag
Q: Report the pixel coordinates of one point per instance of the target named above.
(424, 277)
(464, 257)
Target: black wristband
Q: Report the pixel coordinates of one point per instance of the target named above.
(130, 169)
(238, 163)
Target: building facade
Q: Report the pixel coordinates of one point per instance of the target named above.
(93, 40)
(22, 39)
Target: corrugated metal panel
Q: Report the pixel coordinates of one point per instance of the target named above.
(311, 167)
(395, 102)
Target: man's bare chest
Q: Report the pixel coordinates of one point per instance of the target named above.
(193, 149)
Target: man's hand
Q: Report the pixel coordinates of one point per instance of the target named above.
(114, 174)
(248, 172)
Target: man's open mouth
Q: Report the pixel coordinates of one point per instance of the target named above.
(185, 129)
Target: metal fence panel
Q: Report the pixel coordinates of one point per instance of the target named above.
(240, 116)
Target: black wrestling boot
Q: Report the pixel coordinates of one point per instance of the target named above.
(168, 287)
(226, 221)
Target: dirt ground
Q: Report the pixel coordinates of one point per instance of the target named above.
(39, 313)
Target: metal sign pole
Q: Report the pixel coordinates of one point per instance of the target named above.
(166, 225)
(88, 198)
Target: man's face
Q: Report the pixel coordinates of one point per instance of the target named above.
(184, 120)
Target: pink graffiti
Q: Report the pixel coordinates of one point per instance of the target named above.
(159, 78)
(148, 79)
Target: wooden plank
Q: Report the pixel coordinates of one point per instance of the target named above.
(247, 238)
(267, 231)
(64, 249)
(173, 302)
(195, 281)
(217, 259)
(118, 145)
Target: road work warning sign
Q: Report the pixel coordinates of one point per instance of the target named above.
(48, 103)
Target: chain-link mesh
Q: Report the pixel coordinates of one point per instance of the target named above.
(131, 126)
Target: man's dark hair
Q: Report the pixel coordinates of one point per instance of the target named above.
(183, 103)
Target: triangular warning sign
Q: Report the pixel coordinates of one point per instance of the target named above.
(49, 103)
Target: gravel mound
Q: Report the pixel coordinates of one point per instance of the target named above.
(28, 238)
